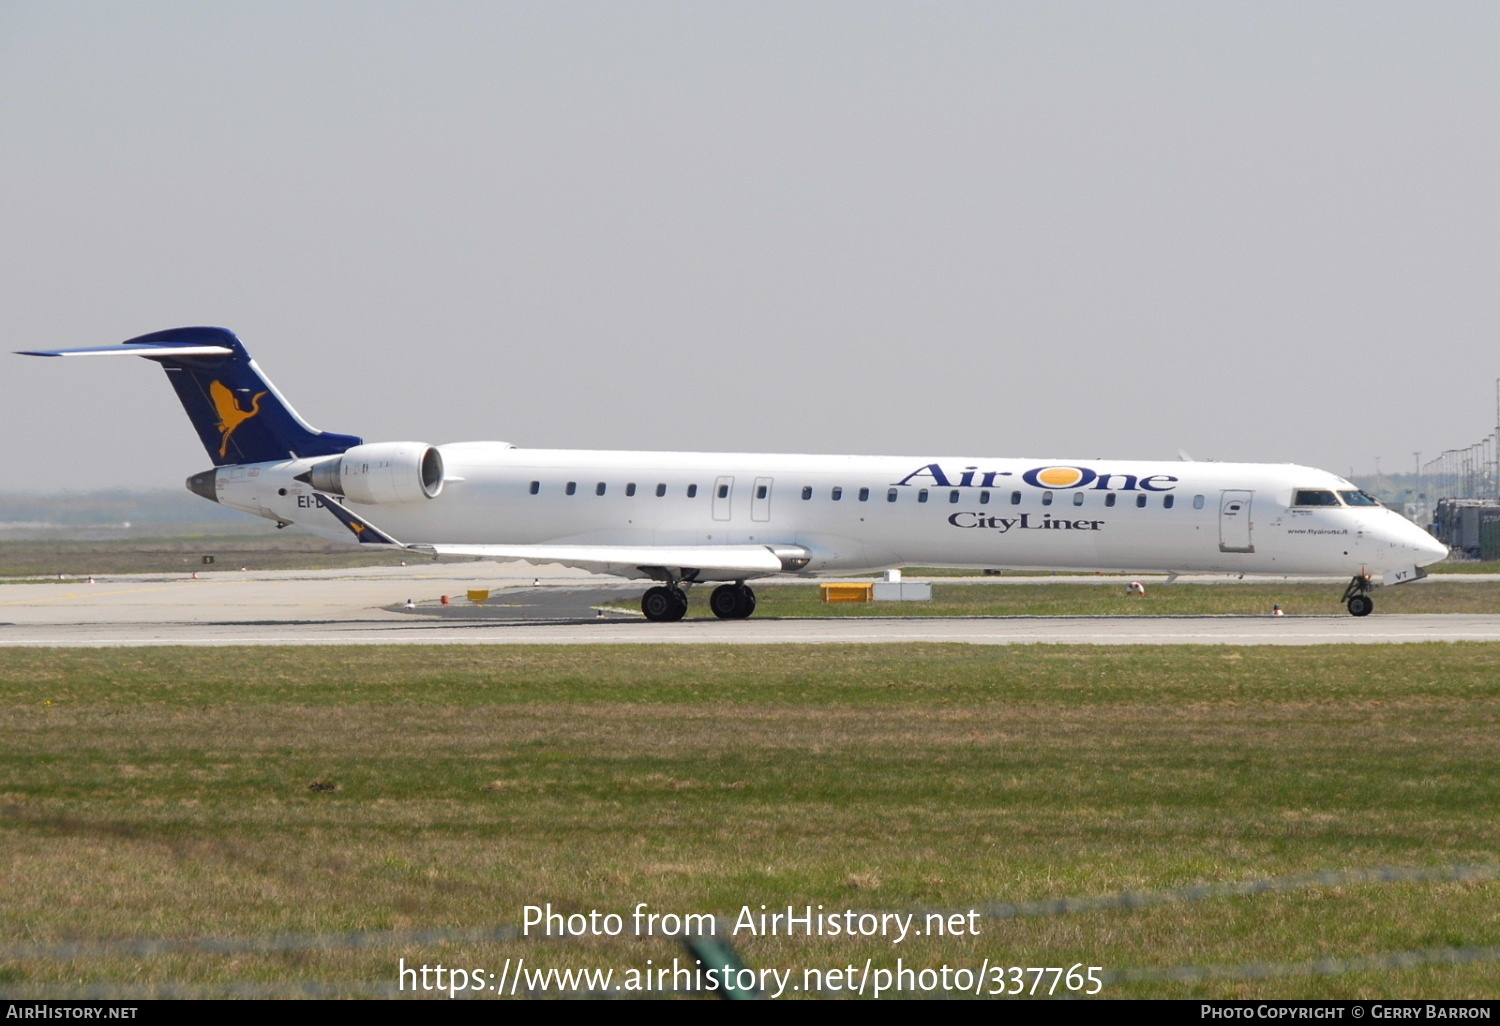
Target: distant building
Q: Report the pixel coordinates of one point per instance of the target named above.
(1470, 526)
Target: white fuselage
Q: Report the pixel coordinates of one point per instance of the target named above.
(857, 513)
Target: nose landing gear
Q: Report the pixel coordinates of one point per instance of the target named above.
(1357, 596)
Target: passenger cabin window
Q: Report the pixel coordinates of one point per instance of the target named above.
(1359, 499)
(661, 490)
(1314, 497)
(984, 498)
(760, 492)
(864, 495)
(922, 495)
(1078, 498)
(1166, 501)
(1015, 498)
(630, 488)
(953, 495)
(1109, 498)
(692, 491)
(599, 488)
(723, 491)
(836, 494)
(572, 487)
(1046, 498)
(890, 496)
(807, 492)
(1140, 501)
(536, 486)
(1197, 502)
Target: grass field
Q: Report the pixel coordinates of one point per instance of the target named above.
(190, 792)
(1464, 566)
(1467, 566)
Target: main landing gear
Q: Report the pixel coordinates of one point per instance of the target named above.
(732, 601)
(665, 605)
(1357, 596)
(669, 603)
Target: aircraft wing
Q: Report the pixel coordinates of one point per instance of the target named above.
(767, 559)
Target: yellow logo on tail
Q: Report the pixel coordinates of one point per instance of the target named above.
(230, 414)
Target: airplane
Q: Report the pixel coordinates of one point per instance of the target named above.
(686, 518)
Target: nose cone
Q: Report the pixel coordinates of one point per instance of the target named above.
(1410, 542)
(1403, 543)
(1428, 549)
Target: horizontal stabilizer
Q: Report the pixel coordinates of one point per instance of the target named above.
(133, 351)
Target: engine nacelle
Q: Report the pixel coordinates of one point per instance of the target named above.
(383, 473)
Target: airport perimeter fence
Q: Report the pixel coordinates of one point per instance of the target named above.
(144, 947)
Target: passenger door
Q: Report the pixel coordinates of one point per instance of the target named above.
(1234, 521)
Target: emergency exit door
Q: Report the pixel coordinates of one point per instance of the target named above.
(1234, 522)
(723, 497)
(760, 500)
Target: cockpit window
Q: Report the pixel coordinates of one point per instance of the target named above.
(1311, 497)
(1359, 499)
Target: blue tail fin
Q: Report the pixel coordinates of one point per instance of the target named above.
(238, 414)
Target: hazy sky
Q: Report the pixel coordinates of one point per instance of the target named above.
(1253, 231)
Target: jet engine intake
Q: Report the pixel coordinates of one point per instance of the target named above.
(382, 473)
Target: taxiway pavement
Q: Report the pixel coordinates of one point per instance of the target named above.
(555, 606)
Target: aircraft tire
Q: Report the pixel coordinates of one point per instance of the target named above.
(663, 605)
(732, 601)
(725, 602)
(1361, 605)
(747, 601)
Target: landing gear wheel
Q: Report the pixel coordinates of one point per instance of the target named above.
(732, 602)
(725, 602)
(664, 605)
(1357, 595)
